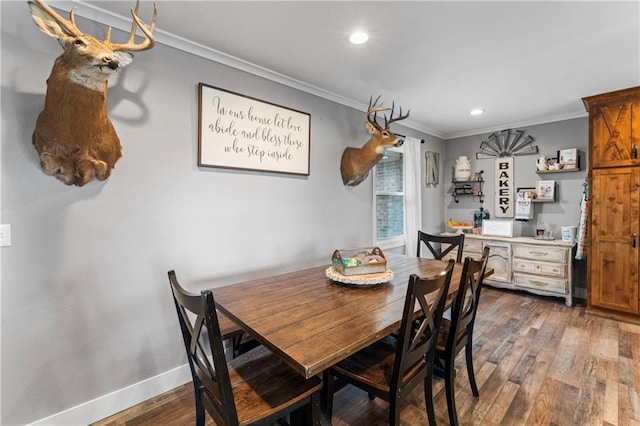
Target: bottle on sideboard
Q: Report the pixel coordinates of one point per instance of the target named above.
(478, 217)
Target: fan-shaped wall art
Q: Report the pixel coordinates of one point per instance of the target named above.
(507, 143)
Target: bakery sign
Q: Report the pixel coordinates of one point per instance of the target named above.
(504, 187)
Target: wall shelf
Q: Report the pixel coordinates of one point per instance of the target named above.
(545, 172)
(575, 169)
(468, 188)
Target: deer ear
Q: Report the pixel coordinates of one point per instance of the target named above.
(370, 128)
(46, 23)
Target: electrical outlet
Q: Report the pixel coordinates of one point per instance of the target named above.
(5, 235)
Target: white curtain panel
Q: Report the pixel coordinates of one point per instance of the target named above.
(413, 195)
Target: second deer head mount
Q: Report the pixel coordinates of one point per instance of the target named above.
(357, 162)
(74, 137)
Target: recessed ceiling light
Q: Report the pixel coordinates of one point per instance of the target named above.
(359, 37)
(477, 111)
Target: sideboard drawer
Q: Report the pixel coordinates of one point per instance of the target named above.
(537, 267)
(550, 254)
(540, 283)
(472, 246)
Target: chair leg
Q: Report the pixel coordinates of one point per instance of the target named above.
(449, 380)
(200, 420)
(326, 395)
(235, 345)
(394, 410)
(316, 415)
(472, 376)
(309, 414)
(428, 394)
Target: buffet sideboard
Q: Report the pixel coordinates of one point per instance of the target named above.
(541, 267)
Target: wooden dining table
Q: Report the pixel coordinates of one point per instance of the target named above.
(312, 322)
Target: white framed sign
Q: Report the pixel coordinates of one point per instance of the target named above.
(504, 187)
(240, 132)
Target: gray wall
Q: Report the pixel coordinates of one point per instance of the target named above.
(549, 138)
(86, 306)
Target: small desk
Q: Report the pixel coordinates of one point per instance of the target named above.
(313, 323)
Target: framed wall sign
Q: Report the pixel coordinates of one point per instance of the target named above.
(504, 187)
(240, 132)
(546, 190)
(568, 158)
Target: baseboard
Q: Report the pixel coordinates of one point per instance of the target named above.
(114, 402)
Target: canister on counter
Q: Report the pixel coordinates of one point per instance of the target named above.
(478, 217)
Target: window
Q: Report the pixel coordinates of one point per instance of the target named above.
(389, 200)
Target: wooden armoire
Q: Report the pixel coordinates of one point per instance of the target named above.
(614, 194)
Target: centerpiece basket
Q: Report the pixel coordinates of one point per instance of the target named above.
(359, 261)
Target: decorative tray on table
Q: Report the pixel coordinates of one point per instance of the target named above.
(362, 267)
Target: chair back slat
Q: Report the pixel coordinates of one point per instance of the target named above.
(447, 244)
(465, 304)
(419, 331)
(203, 339)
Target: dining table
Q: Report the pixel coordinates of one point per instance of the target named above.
(313, 322)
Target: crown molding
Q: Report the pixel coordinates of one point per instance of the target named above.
(544, 120)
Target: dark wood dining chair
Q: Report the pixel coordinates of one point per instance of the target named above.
(457, 333)
(255, 387)
(392, 367)
(447, 244)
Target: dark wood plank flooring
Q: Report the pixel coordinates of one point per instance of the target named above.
(537, 362)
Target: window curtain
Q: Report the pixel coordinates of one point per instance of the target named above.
(413, 194)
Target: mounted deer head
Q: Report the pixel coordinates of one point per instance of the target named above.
(73, 135)
(357, 162)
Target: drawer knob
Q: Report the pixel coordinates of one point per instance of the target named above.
(539, 253)
(540, 283)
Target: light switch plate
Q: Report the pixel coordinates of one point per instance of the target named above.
(5, 235)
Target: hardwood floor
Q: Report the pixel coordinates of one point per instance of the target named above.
(537, 362)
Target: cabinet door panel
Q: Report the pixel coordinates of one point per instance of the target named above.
(614, 133)
(500, 261)
(613, 254)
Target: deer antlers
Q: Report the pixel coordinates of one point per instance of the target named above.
(374, 109)
(130, 45)
(67, 27)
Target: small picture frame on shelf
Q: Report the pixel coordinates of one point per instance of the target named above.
(568, 158)
(529, 193)
(553, 164)
(546, 190)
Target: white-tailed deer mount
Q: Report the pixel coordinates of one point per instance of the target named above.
(73, 134)
(357, 162)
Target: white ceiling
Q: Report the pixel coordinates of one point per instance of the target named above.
(523, 62)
